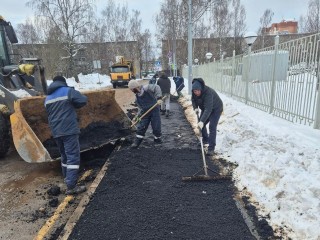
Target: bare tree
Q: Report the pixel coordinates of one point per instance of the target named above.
(238, 24)
(93, 32)
(172, 24)
(221, 22)
(68, 18)
(311, 23)
(176, 12)
(120, 25)
(27, 33)
(265, 21)
(168, 26)
(144, 52)
(115, 22)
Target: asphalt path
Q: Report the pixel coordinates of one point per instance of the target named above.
(142, 195)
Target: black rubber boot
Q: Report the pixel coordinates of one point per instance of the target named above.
(167, 113)
(157, 140)
(76, 190)
(136, 143)
(210, 152)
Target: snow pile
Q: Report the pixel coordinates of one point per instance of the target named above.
(92, 81)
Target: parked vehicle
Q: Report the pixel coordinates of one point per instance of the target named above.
(122, 71)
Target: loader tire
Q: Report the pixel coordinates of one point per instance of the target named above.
(4, 136)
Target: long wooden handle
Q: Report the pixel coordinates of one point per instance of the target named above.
(149, 110)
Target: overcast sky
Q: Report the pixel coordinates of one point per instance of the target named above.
(283, 9)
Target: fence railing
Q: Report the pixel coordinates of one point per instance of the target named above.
(282, 80)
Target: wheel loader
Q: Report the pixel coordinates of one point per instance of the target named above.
(23, 117)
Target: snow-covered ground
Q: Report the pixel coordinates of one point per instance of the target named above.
(88, 82)
(278, 161)
(278, 166)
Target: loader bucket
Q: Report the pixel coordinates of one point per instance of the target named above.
(101, 121)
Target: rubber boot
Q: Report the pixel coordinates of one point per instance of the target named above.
(136, 143)
(210, 152)
(76, 190)
(167, 113)
(157, 140)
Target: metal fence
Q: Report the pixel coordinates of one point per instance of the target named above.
(282, 80)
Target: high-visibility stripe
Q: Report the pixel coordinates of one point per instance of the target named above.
(139, 136)
(57, 99)
(70, 166)
(156, 137)
(73, 166)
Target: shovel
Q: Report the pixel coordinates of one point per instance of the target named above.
(143, 115)
(149, 110)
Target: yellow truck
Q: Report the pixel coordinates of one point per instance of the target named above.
(122, 71)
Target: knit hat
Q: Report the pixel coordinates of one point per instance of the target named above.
(133, 84)
(197, 86)
(59, 78)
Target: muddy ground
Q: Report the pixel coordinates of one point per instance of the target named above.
(25, 204)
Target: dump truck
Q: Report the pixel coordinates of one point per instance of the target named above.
(122, 71)
(23, 118)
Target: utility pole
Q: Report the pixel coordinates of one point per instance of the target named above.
(174, 48)
(190, 48)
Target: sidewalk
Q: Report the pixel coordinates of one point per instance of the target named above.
(142, 195)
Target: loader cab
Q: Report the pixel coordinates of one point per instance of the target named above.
(7, 37)
(4, 56)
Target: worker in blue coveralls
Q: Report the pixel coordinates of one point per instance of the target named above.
(61, 104)
(153, 80)
(146, 97)
(211, 107)
(179, 81)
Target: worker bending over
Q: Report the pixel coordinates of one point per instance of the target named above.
(211, 106)
(147, 96)
(61, 104)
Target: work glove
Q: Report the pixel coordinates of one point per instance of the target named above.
(200, 125)
(196, 110)
(159, 101)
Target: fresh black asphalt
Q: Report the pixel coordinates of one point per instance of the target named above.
(142, 195)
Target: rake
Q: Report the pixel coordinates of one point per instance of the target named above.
(205, 177)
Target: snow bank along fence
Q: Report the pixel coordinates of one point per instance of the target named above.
(282, 80)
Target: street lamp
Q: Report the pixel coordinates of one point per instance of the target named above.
(250, 37)
(208, 56)
(196, 61)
